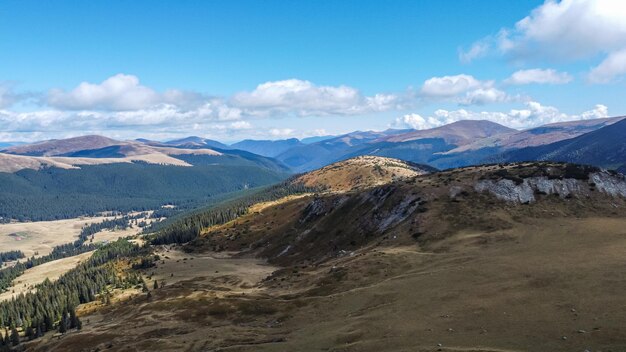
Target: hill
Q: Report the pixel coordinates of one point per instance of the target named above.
(361, 172)
(72, 153)
(605, 147)
(491, 258)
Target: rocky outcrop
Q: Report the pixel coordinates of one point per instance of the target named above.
(613, 184)
(527, 190)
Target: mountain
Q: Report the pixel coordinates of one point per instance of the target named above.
(312, 156)
(459, 260)
(483, 149)
(457, 133)
(423, 146)
(92, 150)
(267, 147)
(315, 139)
(58, 147)
(87, 175)
(605, 147)
(196, 142)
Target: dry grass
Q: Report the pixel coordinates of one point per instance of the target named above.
(36, 275)
(41, 236)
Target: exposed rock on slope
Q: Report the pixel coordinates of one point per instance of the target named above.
(512, 188)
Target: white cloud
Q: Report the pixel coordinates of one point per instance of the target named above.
(416, 121)
(450, 86)
(303, 98)
(463, 89)
(241, 125)
(8, 96)
(539, 76)
(482, 96)
(614, 65)
(281, 132)
(564, 30)
(477, 50)
(534, 114)
(120, 92)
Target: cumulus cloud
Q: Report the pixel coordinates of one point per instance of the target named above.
(539, 76)
(464, 90)
(534, 114)
(121, 92)
(564, 30)
(450, 86)
(121, 102)
(303, 98)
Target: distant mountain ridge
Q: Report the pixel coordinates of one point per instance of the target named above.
(605, 147)
(457, 144)
(267, 147)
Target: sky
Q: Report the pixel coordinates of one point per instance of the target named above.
(273, 69)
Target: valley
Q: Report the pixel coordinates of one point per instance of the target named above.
(459, 260)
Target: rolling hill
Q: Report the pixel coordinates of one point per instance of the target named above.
(90, 174)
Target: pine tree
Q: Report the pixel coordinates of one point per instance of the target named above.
(15, 337)
(156, 284)
(30, 333)
(63, 325)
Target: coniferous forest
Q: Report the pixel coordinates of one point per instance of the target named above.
(53, 193)
(52, 304)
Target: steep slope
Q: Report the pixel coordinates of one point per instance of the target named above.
(267, 147)
(605, 147)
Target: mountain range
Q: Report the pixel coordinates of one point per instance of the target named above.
(457, 144)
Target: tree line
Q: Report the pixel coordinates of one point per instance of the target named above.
(188, 227)
(10, 256)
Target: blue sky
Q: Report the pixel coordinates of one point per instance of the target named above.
(272, 69)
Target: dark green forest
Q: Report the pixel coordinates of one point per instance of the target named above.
(53, 193)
